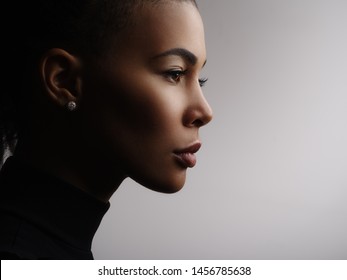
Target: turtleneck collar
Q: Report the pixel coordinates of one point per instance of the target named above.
(55, 206)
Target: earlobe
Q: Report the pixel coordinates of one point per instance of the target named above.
(61, 76)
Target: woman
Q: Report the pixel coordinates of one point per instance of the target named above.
(98, 91)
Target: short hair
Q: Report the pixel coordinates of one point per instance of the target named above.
(76, 25)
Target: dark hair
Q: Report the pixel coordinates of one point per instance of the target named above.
(76, 25)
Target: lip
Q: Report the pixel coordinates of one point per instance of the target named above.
(186, 157)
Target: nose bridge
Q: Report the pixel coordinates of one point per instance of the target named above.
(200, 110)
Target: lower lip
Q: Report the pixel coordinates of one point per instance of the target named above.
(186, 159)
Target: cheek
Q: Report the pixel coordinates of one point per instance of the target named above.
(144, 109)
(137, 109)
(140, 115)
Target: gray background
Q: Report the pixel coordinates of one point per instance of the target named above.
(271, 180)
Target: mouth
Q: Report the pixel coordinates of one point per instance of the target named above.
(186, 157)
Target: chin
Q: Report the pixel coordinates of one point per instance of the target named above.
(168, 186)
(166, 189)
(169, 189)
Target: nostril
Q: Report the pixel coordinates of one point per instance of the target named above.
(198, 123)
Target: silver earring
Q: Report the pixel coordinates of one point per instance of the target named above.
(71, 106)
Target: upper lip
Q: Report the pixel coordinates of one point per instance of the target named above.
(192, 149)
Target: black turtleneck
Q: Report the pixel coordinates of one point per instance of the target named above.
(43, 217)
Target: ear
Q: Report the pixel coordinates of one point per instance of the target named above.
(61, 76)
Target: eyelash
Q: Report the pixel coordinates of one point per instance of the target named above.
(176, 75)
(202, 81)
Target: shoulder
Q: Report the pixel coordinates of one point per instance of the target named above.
(11, 237)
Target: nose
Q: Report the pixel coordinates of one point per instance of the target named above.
(199, 112)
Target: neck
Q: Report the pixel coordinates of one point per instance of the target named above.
(83, 170)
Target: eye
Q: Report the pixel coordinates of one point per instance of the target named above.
(202, 81)
(175, 75)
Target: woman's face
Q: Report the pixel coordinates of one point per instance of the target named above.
(146, 99)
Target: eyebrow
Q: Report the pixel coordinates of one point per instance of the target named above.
(184, 53)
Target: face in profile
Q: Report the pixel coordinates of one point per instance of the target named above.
(146, 97)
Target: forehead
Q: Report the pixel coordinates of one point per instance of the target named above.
(158, 28)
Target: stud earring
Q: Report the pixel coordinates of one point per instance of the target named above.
(71, 106)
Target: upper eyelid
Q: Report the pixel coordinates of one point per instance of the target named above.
(182, 72)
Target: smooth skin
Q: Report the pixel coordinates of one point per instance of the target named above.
(137, 104)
